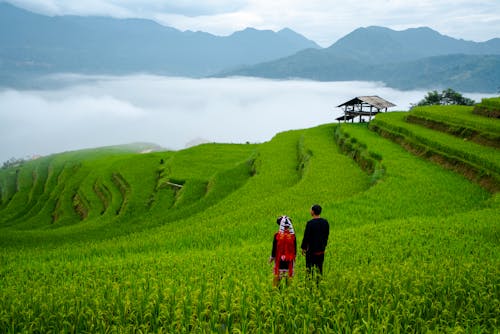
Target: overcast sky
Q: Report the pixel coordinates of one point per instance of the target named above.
(324, 21)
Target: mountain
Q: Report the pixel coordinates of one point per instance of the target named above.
(33, 43)
(377, 45)
(466, 73)
(409, 59)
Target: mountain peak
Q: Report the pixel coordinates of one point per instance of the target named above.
(374, 28)
(287, 31)
(384, 30)
(294, 37)
(286, 35)
(422, 29)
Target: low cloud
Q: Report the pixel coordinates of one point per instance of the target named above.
(130, 8)
(172, 112)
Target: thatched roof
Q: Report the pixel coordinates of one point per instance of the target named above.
(375, 101)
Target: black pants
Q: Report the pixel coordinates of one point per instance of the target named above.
(315, 262)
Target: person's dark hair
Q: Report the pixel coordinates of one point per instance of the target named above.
(278, 221)
(316, 209)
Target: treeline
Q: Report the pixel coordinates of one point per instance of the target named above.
(14, 162)
(446, 97)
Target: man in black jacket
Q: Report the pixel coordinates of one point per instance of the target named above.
(315, 240)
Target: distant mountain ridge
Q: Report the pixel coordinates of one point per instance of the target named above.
(409, 59)
(33, 43)
(383, 45)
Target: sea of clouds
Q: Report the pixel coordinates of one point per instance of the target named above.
(93, 111)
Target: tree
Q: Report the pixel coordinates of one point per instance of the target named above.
(13, 162)
(446, 97)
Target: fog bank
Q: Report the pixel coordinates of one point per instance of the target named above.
(87, 111)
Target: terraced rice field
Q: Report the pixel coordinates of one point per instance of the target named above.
(109, 240)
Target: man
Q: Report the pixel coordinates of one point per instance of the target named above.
(315, 240)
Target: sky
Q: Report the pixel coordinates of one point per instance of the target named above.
(323, 21)
(95, 111)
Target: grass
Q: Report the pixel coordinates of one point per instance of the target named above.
(424, 189)
(488, 107)
(459, 121)
(479, 154)
(414, 248)
(478, 162)
(458, 116)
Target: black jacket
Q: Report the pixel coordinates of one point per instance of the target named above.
(316, 235)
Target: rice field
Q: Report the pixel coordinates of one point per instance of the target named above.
(113, 241)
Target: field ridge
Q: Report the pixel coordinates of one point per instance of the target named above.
(479, 163)
(459, 121)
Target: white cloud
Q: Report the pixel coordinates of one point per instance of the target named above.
(100, 111)
(130, 8)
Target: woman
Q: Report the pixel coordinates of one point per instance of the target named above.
(284, 250)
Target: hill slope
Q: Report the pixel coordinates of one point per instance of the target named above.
(412, 245)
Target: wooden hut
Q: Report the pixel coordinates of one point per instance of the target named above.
(363, 106)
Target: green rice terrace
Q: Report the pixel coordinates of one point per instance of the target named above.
(110, 240)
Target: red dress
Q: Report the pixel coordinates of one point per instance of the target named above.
(284, 252)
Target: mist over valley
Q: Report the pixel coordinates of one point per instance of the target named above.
(95, 111)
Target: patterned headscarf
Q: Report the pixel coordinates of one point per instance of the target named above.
(285, 221)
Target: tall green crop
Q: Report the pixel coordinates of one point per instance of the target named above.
(413, 249)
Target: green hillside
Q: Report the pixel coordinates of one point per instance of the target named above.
(488, 107)
(111, 241)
